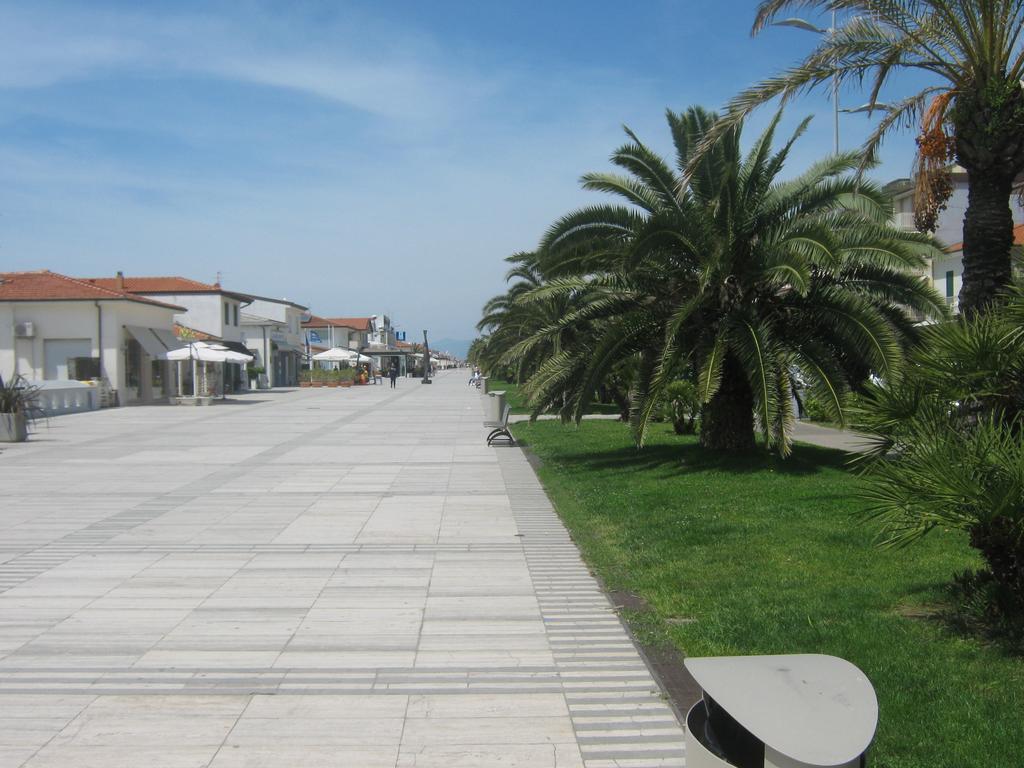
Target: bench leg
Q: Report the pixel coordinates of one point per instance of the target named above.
(500, 434)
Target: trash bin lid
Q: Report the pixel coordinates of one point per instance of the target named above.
(812, 708)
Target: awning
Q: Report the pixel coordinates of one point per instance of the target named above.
(149, 341)
(167, 338)
(283, 346)
(236, 346)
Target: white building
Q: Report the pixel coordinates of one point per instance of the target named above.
(273, 332)
(346, 332)
(58, 328)
(946, 273)
(208, 313)
(382, 334)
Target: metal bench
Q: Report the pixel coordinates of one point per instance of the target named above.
(499, 429)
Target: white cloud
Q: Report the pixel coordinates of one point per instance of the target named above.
(388, 73)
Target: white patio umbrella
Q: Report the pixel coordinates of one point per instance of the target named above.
(335, 355)
(341, 355)
(206, 352)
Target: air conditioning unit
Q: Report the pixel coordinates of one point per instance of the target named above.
(26, 330)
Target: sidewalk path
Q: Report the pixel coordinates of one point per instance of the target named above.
(323, 577)
(829, 437)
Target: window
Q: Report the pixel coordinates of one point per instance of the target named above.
(236, 314)
(227, 314)
(949, 284)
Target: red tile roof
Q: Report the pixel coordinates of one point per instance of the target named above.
(172, 284)
(1018, 239)
(355, 323)
(44, 285)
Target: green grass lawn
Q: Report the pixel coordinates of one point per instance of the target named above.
(517, 400)
(759, 555)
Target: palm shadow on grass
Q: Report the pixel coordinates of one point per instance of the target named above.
(671, 459)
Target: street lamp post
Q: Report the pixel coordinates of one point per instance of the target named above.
(831, 31)
(426, 360)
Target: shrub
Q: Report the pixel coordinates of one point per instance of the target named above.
(948, 453)
(682, 406)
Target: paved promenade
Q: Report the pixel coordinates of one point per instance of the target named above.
(321, 577)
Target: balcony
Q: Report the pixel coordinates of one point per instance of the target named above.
(904, 220)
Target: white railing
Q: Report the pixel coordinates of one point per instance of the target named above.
(63, 396)
(904, 220)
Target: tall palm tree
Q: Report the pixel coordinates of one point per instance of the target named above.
(742, 278)
(972, 110)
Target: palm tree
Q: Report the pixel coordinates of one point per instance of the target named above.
(742, 278)
(507, 320)
(972, 110)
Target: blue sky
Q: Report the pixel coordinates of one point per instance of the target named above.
(358, 157)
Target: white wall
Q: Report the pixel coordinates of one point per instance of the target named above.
(951, 262)
(205, 312)
(283, 312)
(950, 225)
(74, 320)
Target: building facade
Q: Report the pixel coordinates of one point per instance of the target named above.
(273, 332)
(946, 273)
(209, 313)
(59, 328)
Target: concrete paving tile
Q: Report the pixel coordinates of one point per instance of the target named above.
(15, 757)
(316, 732)
(29, 731)
(488, 705)
(491, 756)
(68, 756)
(448, 731)
(327, 707)
(129, 729)
(246, 756)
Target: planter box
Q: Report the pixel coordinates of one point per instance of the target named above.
(305, 383)
(346, 384)
(201, 400)
(317, 384)
(13, 428)
(334, 384)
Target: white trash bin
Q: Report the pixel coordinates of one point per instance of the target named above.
(799, 711)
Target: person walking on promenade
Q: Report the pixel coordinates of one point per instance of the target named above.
(393, 374)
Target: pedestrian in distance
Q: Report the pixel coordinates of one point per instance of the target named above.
(393, 374)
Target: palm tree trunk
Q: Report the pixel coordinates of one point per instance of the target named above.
(988, 237)
(989, 132)
(727, 421)
(1000, 544)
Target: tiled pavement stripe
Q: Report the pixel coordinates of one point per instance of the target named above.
(23, 567)
(624, 723)
(284, 680)
(36, 562)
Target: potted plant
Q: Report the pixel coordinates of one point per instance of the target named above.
(318, 376)
(306, 378)
(333, 378)
(254, 372)
(17, 409)
(346, 375)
